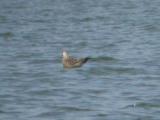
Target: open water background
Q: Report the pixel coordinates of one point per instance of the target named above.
(121, 82)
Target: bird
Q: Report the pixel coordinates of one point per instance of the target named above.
(70, 62)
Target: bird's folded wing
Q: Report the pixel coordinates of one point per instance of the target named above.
(73, 61)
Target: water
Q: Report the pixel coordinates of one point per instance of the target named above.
(121, 82)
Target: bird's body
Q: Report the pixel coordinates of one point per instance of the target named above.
(70, 62)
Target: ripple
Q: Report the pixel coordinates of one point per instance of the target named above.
(151, 28)
(129, 106)
(41, 61)
(147, 105)
(102, 115)
(73, 108)
(3, 19)
(1, 111)
(103, 59)
(48, 114)
(88, 19)
(103, 70)
(6, 34)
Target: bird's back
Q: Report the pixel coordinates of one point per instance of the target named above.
(72, 62)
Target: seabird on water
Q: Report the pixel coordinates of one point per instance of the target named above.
(70, 62)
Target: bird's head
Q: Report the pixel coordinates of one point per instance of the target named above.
(65, 54)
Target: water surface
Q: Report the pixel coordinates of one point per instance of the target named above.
(121, 82)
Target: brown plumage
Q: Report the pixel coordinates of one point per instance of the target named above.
(70, 62)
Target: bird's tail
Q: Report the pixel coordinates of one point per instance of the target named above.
(86, 59)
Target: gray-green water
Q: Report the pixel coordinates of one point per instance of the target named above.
(121, 82)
